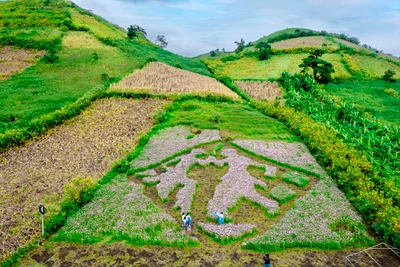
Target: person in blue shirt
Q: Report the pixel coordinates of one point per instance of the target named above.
(189, 220)
(220, 216)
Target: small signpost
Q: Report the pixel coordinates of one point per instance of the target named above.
(42, 211)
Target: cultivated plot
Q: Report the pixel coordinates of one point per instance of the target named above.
(13, 60)
(159, 78)
(374, 67)
(260, 90)
(86, 146)
(309, 41)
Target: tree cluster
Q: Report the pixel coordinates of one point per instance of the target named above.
(264, 50)
(322, 69)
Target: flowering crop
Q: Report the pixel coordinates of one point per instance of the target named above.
(176, 177)
(13, 60)
(170, 141)
(236, 184)
(159, 78)
(120, 210)
(295, 154)
(296, 178)
(314, 41)
(322, 218)
(226, 231)
(86, 146)
(282, 194)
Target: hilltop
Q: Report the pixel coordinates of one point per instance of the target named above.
(117, 137)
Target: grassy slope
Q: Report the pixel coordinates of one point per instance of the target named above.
(370, 95)
(253, 68)
(44, 88)
(277, 33)
(232, 119)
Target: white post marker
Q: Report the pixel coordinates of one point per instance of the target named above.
(42, 211)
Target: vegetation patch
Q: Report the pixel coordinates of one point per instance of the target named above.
(13, 61)
(236, 184)
(296, 178)
(308, 223)
(86, 146)
(294, 154)
(374, 67)
(121, 211)
(313, 41)
(369, 95)
(231, 119)
(159, 78)
(260, 90)
(226, 233)
(168, 142)
(282, 194)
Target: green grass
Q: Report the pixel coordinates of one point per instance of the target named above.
(234, 120)
(370, 95)
(296, 178)
(44, 88)
(374, 67)
(253, 68)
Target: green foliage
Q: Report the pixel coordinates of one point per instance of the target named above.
(74, 191)
(296, 178)
(392, 92)
(322, 70)
(227, 240)
(369, 95)
(50, 57)
(282, 194)
(240, 46)
(232, 118)
(215, 149)
(135, 31)
(388, 76)
(352, 171)
(264, 50)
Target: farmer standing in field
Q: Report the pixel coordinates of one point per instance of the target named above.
(220, 216)
(267, 260)
(189, 220)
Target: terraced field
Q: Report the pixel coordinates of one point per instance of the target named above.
(159, 78)
(311, 41)
(86, 146)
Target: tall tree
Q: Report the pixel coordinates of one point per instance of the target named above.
(240, 46)
(322, 70)
(264, 50)
(136, 30)
(161, 41)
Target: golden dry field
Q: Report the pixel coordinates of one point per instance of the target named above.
(13, 61)
(260, 90)
(159, 78)
(86, 146)
(313, 41)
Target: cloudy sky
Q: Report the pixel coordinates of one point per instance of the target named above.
(196, 27)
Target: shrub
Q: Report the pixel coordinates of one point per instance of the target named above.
(74, 191)
(388, 76)
(296, 178)
(391, 92)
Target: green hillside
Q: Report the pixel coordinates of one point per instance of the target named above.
(90, 54)
(118, 137)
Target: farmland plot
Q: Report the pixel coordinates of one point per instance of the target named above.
(260, 90)
(159, 78)
(277, 188)
(13, 61)
(85, 146)
(312, 41)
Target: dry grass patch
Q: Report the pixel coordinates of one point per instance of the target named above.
(314, 41)
(260, 90)
(86, 146)
(159, 78)
(13, 61)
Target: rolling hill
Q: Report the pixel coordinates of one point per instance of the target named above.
(117, 137)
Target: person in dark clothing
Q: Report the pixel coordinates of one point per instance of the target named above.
(267, 261)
